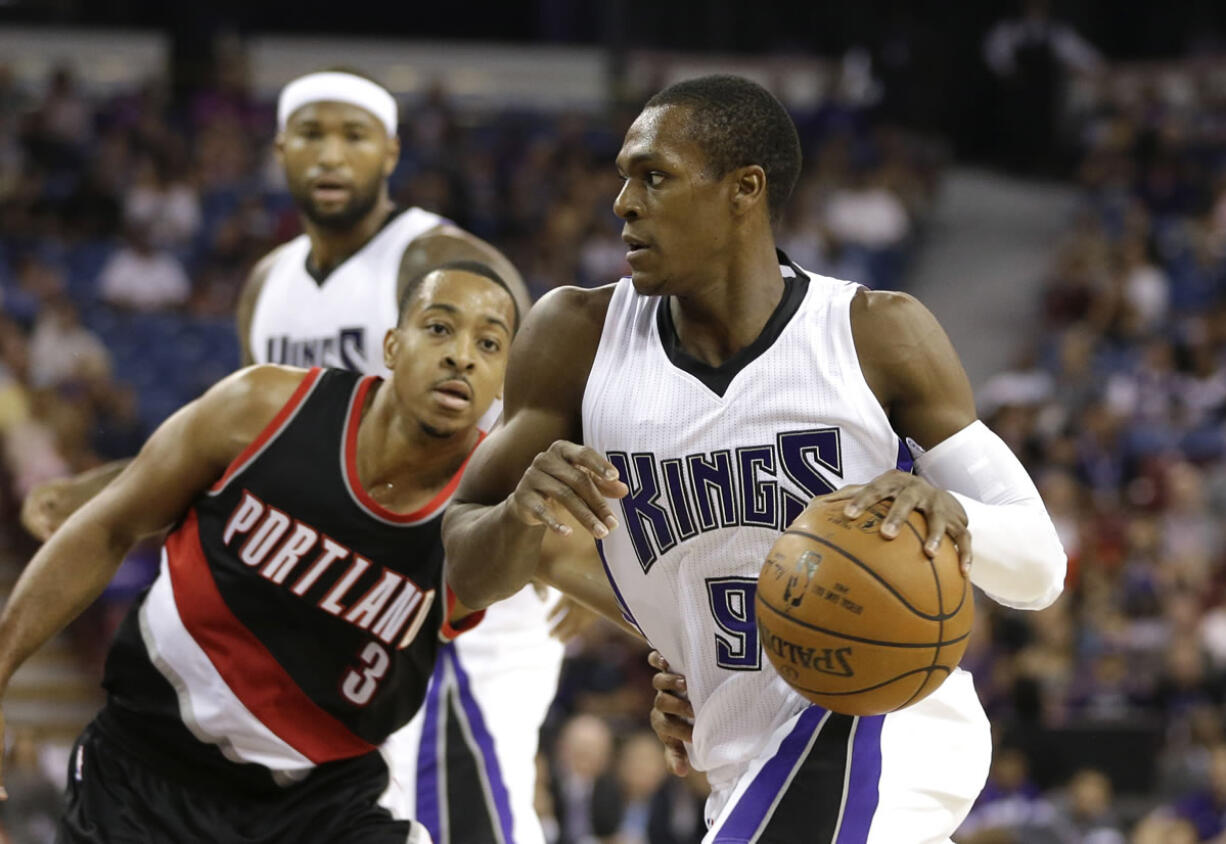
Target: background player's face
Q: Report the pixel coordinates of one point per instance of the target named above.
(449, 353)
(678, 216)
(337, 158)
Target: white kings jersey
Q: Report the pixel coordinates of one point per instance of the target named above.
(719, 460)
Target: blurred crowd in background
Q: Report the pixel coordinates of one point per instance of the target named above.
(128, 224)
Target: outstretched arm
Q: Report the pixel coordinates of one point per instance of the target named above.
(183, 457)
(530, 471)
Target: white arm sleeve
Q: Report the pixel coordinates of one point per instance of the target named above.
(1017, 557)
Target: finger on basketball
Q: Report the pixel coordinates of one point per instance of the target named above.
(867, 496)
(965, 557)
(937, 525)
(904, 502)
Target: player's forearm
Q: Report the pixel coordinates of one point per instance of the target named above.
(1018, 558)
(83, 487)
(491, 555)
(70, 570)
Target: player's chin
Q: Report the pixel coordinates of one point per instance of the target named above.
(646, 282)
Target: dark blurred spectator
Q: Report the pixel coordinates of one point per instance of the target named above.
(640, 772)
(585, 794)
(677, 811)
(62, 350)
(141, 277)
(161, 201)
(1030, 56)
(1206, 807)
(32, 811)
(1085, 811)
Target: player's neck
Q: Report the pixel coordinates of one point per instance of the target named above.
(400, 466)
(729, 311)
(330, 247)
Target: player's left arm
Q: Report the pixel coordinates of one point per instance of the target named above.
(968, 481)
(445, 243)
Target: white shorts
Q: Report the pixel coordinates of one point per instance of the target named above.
(472, 780)
(905, 778)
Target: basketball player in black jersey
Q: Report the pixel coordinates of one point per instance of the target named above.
(303, 579)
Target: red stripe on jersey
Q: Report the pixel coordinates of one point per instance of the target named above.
(351, 466)
(272, 428)
(449, 631)
(247, 667)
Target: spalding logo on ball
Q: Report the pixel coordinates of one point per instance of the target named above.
(855, 622)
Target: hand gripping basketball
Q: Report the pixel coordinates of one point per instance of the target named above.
(910, 492)
(573, 477)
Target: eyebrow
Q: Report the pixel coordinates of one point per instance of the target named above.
(637, 158)
(452, 309)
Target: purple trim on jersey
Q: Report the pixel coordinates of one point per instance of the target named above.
(428, 761)
(906, 463)
(861, 802)
(617, 593)
(759, 798)
(481, 734)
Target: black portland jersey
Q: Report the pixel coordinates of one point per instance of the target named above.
(294, 620)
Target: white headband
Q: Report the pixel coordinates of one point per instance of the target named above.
(338, 88)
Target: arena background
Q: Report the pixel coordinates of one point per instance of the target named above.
(1059, 202)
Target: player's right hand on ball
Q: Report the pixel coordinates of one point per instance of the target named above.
(46, 507)
(672, 715)
(571, 477)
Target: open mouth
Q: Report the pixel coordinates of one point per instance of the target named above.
(327, 189)
(637, 245)
(454, 394)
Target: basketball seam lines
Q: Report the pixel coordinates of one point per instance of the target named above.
(862, 639)
(868, 569)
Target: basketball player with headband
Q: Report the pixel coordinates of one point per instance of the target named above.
(685, 415)
(327, 298)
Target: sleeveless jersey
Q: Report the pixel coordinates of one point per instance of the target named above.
(294, 620)
(719, 460)
(340, 320)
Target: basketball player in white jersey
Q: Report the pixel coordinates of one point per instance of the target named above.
(685, 415)
(327, 298)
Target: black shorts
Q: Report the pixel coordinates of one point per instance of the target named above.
(115, 798)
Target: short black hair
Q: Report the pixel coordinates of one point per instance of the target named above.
(738, 123)
(474, 267)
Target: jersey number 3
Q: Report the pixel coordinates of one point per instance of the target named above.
(360, 684)
(736, 636)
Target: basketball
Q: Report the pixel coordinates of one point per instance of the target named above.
(857, 623)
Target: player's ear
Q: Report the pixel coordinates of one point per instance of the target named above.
(279, 147)
(393, 156)
(391, 345)
(748, 188)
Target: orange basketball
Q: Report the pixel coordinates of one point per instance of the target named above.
(857, 623)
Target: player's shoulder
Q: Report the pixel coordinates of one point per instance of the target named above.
(257, 392)
(889, 318)
(579, 305)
